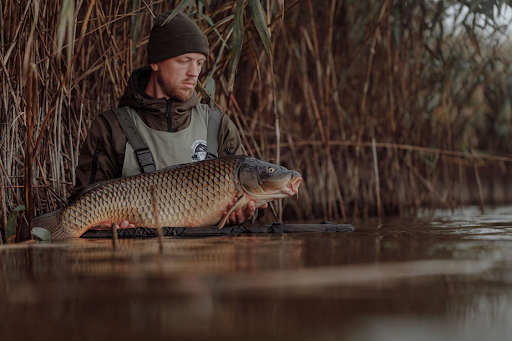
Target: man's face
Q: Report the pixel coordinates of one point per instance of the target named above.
(177, 76)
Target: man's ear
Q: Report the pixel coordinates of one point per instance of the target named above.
(154, 66)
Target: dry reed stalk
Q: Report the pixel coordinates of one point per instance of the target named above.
(333, 192)
(29, 153)
(295, 163)
(337, 196)
(246, 134)
(479, 184)
(377, 181)
(418, 149)
(391, 90)
(277, 124)
(154, 204)
(428, 185)
(3, 213)
(115, 242)
(11, 187)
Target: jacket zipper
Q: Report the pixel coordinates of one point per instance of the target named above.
(95, 166)
(168, 115)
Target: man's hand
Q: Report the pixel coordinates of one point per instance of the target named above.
(125, 224)
(239, 216)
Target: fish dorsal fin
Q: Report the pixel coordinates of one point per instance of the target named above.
(96, 185)
(119, 181)
(239, 204)
(216, 159)
(173, 167)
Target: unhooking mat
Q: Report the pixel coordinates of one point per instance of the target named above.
(214, 231)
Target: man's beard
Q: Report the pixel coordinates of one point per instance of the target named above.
(173, 91)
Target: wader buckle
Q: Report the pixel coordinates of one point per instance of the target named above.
(145, 158)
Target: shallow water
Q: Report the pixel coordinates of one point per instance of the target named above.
(441, 276)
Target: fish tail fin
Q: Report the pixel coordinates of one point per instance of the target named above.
(51, 221)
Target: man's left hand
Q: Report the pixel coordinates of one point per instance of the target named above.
(239, 216)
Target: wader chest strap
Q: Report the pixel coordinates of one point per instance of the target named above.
(144, 156)
(212, 136)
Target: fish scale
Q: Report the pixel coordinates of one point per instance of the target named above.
(195, 194)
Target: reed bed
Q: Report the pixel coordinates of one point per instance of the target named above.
(384, 106)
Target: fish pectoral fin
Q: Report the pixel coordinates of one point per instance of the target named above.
(239, 204)
(254, 216)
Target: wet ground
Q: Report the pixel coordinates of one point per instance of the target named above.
(446, 276)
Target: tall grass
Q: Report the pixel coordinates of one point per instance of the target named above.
(382, 105)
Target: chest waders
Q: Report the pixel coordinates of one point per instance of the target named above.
(144, 141)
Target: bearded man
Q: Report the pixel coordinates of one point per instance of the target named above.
(159, 121)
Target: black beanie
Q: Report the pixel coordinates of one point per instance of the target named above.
(178, 36)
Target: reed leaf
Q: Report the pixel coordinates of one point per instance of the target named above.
(224, 45)
(181, 6)
(236, 47)
(11, 221)
(136, 26)
(29, 152)
(214, 26)
(65, 29)
(42, 234)
(210, 86)
(260, 23)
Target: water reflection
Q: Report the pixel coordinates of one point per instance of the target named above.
(442, 276)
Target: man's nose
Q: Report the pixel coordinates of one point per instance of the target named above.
(193, 70)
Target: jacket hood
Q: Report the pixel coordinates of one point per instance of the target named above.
(135, 96)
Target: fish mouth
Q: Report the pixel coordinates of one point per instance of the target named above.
(292, 187)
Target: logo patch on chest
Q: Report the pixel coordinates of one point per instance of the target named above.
(199, 152)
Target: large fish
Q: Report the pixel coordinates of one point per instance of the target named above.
(194, 194)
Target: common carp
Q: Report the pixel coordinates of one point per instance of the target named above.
(188, 195)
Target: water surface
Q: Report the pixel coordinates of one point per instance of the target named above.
(441, 276)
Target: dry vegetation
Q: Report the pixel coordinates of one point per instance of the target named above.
(380, 104)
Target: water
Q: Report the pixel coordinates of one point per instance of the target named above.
(441, 276)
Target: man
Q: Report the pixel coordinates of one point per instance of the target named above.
(160, 101)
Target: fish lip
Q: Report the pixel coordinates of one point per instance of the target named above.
(292, 187)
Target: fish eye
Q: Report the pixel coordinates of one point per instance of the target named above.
(271, 169)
